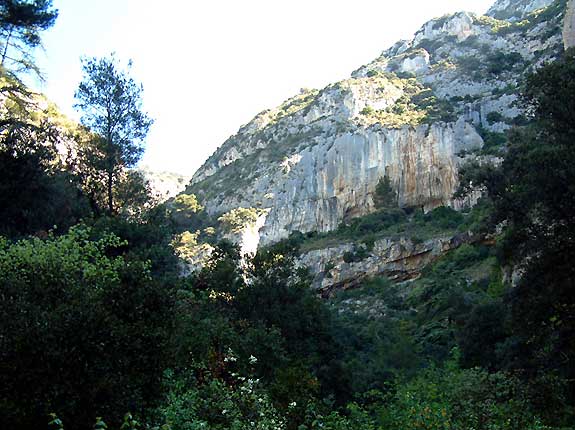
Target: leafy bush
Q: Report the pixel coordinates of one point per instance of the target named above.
(441, 399)
(195, 399)
(384, 195)
(493, 142)
(499, 62)
(368, 110)
(442, 217)
(493, 117)
(236, 220)
(83, 329)
(359, 253)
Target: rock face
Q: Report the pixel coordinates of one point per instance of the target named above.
(569, 26)
(516, 9)
(398, 259)
(164, 184)
(414, 114)
(336, 179)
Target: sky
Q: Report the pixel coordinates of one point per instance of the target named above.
(209, 66)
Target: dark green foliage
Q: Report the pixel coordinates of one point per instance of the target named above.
(111, 103)
(460, 399)
(395, 223)
(469, 64)
(82, 332)
(536, 195)
(373, 331)
(35, 199)
(36, 194)
(436, 109)
(384, 195)
(147, 240)
(372, 223)
(264, 309)
(431, 45)
(21, 22)
(493, 142)
(195, 399)
(443, 217)
(496, 63)
(493, 117)
(481, 334)
(359, 253)
(499, 62)
(279, 297)
(446, 295)
(533, 193)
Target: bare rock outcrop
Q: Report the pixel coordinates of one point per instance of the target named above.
(414, 114)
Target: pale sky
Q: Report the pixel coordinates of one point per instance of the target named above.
(210, 66)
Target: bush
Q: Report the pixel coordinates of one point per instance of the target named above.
(443, 217)
(493, 142)
(499, 62)
(359, 253)
(451, 398)
(493, 117)
(196, 399)
(82, 330)
(368, 110)
(384, 195)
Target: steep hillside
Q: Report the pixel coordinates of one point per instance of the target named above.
(164, 184)
(413, 115)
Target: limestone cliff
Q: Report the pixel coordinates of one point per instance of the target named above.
(414, 114)
(399, 259)
(516, 9)
(164, 185)
(569, 26)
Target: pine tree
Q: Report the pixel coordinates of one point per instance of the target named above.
(21, 22)
(111, 102)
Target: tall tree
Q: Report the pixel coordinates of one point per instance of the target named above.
(21, 22)
(534, 195)
(111, 102)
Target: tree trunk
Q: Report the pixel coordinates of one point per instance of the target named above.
(7, 43)
(110, 196)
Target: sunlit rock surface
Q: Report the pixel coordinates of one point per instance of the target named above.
(414, 114)
(569, 26)
(516, 9)
(398, 259)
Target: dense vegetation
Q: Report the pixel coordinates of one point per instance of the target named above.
(97, 324)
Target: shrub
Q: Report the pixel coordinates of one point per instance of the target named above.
(237, 219)
(83, 329)
(493, 117)
(368, 110)
(384, 195)
(499, 62)
(359, 253)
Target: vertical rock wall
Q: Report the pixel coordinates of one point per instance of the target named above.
(336, 180)
(569, 26)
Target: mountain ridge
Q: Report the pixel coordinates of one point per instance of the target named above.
(414, 114)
